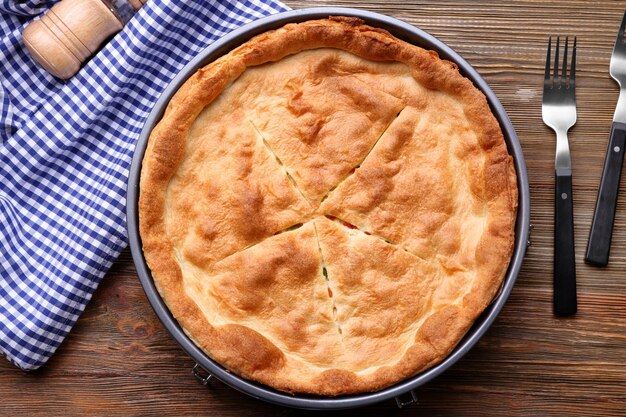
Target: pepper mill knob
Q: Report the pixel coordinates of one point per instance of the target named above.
(70, 32)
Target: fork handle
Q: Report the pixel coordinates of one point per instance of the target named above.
(601, 232)
(564, 260)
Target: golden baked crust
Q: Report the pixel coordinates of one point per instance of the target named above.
(327, 209)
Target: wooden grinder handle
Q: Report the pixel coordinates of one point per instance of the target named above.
(70, 32)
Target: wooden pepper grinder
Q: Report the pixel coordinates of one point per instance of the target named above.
(73, 30)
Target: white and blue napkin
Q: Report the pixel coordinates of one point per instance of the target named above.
(65, 151)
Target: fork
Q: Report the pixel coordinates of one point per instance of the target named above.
(600, 234)
(559, 112)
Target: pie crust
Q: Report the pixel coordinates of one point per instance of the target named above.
(327, 209)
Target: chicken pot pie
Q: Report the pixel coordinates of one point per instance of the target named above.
(327, 209)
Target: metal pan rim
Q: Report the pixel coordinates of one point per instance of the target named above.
(404, 31)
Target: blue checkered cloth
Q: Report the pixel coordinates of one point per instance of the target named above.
(65, 151)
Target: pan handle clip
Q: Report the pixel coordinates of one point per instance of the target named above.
(201, 374)
(406, 402)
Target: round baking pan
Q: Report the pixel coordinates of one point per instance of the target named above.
(403, 31)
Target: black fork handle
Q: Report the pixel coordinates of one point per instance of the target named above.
(564, 260)
(601, 232)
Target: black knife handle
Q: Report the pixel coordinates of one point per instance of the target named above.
(564, 260)
(601, 232)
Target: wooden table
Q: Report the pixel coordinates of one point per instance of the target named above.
(120, 360)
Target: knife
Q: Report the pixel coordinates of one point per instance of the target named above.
(599, 243)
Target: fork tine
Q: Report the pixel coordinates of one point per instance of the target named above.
(564, 83)
(572, 70)
(555, 81)
(620, 34)
(546, 79)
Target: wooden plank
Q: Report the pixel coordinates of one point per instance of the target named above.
(119, 359)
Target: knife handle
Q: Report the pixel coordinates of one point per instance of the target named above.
(601, 232)
(564, 259)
